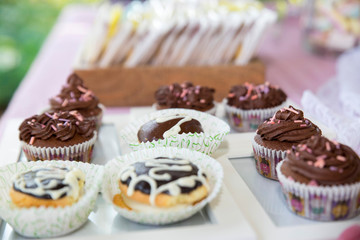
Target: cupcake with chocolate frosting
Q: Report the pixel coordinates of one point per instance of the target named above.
(186, 95)
(287, 127)
(58, 136)
(321, 180)
(249, 105)
(75, 96)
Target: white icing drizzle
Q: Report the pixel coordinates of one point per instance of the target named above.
(157, 165)
(69, 177)
(174, 129)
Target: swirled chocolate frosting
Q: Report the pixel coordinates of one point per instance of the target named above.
(250, 96)
(185, 95)
(75, 96)
(324, 162)
(60, 126)
(288, 125)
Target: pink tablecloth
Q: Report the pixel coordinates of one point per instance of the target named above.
(287, 64)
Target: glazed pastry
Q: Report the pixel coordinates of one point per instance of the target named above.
(164, 127)
(185, 95)
(163, 182)
(48, 187)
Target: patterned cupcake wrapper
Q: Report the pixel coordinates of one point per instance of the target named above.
(110, 187)
(249, 120)
(81, 152)
(329, 203)
(45, 222)
(207, 142)
(267, 159)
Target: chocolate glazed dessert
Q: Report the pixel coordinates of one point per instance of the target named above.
(185, 95)
(163, 182)
(164, 127)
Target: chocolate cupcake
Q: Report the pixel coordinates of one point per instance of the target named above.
(321, 180)
(275, 136)
(75, 96)
(58, 136)
(249, 105)
(186, 95)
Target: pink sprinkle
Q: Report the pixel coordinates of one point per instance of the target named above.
(291, 110)
(288, 152)
(320, 163)
(65, 102)
(72, 94)
(184, 92)
(282, 110)
(53, 127)
(33, 120)
(43, 126)
(202, 100)
(59, 124)
(82, 89)
(197, 91)
(336, 144)
(171, 87)
(308, 150)
(88, 94)
(188, 103)
(32, 139)
(254, 97)
(328, 148)
(290, 178)
(297, 154)
(310, 163)
(303, 147)
(303, 125)
(49, 115)
(55, 116)
(77, 122)
(341, 158)
(313, 183)
(298, 121)
(321, 157)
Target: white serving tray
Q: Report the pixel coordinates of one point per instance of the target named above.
(220, 219)
(248, 207)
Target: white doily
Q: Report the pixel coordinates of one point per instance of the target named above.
(337, 103)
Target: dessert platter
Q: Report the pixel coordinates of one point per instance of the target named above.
(178, 172)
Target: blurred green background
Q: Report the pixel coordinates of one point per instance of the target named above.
(24, 25)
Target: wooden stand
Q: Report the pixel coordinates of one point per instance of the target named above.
(120, 86)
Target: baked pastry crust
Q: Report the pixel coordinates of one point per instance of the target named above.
(165, 200)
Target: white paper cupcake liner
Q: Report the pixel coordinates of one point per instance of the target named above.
(80, 152)
(249, 120)
(267, 159)
(207, 142)
(49, 222)
(322, 203)
(210, 166)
